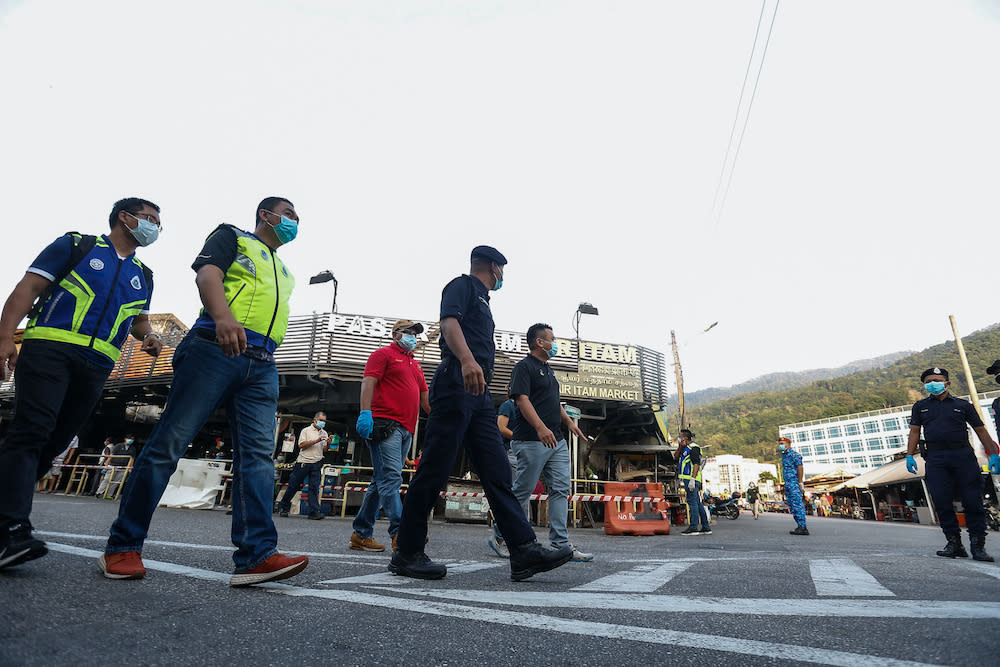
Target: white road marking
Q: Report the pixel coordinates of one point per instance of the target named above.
(640, 579)
(843, 577)
(546, 623)
(705, 605)
(380, 559)
(991, 570)
(389, 579)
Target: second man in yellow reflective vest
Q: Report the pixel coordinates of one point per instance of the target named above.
(688, 457)
(225, 360)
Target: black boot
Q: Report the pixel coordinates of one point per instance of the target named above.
(954, 548)
(977, 544)
(417, 566)
(531, 558)
(799, 530)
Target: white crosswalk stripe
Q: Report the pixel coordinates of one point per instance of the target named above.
(388, 579)
(640, 579)
(843, 577)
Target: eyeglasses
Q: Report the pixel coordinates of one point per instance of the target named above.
(148, 217)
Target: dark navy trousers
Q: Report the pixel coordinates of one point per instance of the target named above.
(459, 419)
(951, 473)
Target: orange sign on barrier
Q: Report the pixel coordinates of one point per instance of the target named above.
(634, 517)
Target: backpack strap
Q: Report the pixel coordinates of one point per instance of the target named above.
(82, 245)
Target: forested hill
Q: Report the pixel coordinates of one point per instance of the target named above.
(748, 424)
(784, 381)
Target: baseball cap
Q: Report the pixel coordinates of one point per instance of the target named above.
(416, 327)
(489, 253)
(934, 371)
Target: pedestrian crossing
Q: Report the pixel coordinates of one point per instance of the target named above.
(829, 577)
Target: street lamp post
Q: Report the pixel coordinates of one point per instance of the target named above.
(581, 310)
(326, 276)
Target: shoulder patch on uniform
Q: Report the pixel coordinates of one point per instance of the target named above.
(135, 282)
(96, 264)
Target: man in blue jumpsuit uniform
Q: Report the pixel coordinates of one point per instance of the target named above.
(792, 473)
(463, 414)
(950, 466)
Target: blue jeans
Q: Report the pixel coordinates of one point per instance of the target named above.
(696, 508)
(512, 459)
(205, 378)
(387, 478)
(535, 460)
(302, 471)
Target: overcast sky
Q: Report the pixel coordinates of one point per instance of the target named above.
(583, 139)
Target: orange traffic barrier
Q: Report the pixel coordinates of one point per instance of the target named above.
(632, 516)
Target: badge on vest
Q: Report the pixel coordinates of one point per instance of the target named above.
(263, 255)
(96, 264)
(135, 282)
(285, 271)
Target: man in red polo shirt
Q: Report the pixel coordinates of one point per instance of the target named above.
(392, 389)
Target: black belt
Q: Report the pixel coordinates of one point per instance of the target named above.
(252, 352)
(946, 444)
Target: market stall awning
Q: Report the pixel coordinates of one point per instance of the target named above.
(890, 473)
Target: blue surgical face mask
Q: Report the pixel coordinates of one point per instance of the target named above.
(129, 441)
(553, 351)
(499, 282)
(146, 232)
(320, 423)
(286, 230)
(408, 342)
(782, 447)
(935, 388)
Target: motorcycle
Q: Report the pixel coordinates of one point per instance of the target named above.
(728, 508)
(993, 517)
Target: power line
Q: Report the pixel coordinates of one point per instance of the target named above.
(739, 105)
(746, 119)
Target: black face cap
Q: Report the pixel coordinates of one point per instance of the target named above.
(994, 368)
(489, 253)
(934, 371)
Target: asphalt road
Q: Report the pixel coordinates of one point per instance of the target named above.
(852, 593)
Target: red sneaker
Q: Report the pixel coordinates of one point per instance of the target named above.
(126, 565)
(278, 566)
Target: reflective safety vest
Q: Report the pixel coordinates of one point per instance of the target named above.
(95, 304)
(685, 466)
(257, 286)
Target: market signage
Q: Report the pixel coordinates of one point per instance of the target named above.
(610, 382)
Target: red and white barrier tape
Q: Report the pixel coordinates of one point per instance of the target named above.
(534, 496)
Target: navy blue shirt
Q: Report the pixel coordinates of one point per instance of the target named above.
(535, 379)
(944, 420)
(466, 299)
(509, 410)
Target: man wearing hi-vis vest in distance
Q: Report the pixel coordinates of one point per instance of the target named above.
(227, 359)
(83, 296)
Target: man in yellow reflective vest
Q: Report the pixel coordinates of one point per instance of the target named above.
(225, 360)
(89, 293)
(688, 457)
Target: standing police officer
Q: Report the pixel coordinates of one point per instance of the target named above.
(951, 466)
(92, 291)
(462, 413)
(793, 475)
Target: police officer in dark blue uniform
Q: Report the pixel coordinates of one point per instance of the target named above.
(462, 414)
(951, 466)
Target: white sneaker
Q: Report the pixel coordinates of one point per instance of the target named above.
(499, 548)
(581, 556)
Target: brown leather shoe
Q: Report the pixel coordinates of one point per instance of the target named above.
(365, 543)
(126, 565)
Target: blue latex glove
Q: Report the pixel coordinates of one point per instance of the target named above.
(911, 464)
(995, 464)
(365, 424)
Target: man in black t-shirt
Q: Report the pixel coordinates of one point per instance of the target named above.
(538, 441)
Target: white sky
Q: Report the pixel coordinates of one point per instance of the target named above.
(583, 139)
